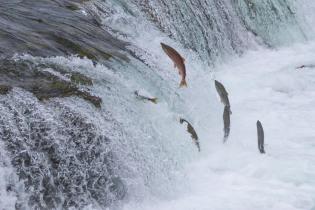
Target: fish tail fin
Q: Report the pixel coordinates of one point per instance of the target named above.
(262, 150)
(225, 138)
(183, 83)
(226, 135)
(198, 146)
(154, 100)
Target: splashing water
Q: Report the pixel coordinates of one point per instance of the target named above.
(67, 152)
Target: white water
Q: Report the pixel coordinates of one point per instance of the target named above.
(263, 85)
(161, 166)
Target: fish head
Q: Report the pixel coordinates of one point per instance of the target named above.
(164, 46)
(217, 84)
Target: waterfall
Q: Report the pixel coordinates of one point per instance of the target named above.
(73, 133)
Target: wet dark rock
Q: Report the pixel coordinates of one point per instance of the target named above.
(51, 28)
(95, 100)
(4, 89)
(73, 7)
(43, 84)
(81, 79)
(60, 158)
(82, 51)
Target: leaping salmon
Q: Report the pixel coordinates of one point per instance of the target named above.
(226, 122)
(306, 66)
(153, 100)
(261, 137)
(179, 62)
(192, 132)
(223, 94)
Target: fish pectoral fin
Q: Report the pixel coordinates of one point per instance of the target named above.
(154, 100)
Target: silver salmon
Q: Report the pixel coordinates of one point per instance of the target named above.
(224, 96)
(261, 137)
(226, 122)
(153, 100)
(192, 132)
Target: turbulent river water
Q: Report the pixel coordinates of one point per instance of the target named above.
(75, 136)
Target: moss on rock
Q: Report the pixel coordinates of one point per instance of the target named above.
(95, 100)
(82, 51)
(43, 84)
(75, 48)
(81, 79)
(60, 88)
(73, 7)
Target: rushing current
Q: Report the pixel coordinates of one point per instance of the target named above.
(73, 134)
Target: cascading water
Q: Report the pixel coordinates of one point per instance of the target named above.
(263, 18)
(74, 135)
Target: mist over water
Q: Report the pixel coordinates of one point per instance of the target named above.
(74, 135)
